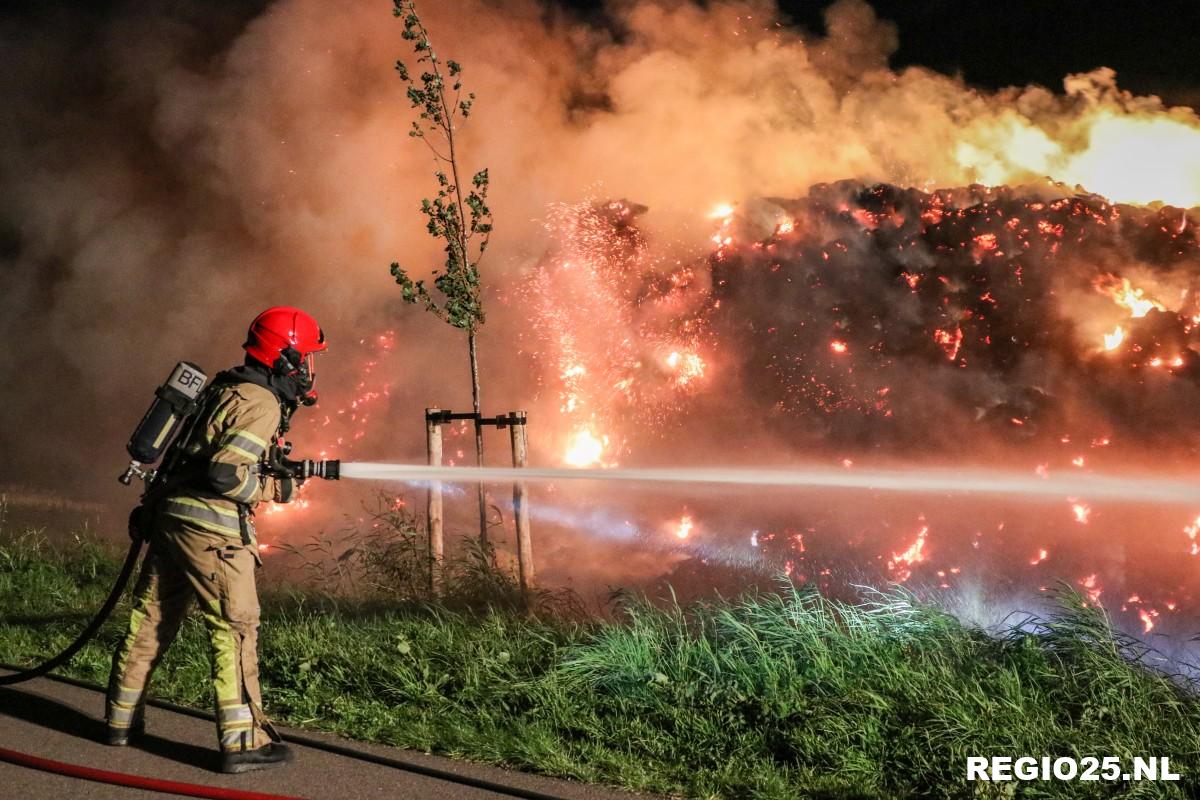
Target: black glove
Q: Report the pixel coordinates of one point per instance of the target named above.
(286, 488)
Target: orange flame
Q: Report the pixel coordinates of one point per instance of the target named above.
(684, 529)
(915, 554)
(585, 449)
(1126, 296)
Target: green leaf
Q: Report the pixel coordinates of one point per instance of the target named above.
(456, 282)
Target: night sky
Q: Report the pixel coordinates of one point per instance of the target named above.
(1151, 45)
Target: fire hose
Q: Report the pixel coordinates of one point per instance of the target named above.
(134, 781)
(110, 602)
(292, 738)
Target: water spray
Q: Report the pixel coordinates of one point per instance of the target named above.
(1131, 488)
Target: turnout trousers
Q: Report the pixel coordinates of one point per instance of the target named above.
(186, 562)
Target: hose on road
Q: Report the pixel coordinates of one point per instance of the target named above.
(134, 781)
(341, 750)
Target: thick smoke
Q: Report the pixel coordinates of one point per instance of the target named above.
(168, 172)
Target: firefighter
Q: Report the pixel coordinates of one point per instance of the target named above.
(202, 542)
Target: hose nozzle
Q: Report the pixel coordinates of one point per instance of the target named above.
(328, 469)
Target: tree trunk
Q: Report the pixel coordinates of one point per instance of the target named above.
(483, 525)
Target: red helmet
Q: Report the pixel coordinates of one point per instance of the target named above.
(284, 338)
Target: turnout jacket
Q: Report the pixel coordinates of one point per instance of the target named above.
(222, 459)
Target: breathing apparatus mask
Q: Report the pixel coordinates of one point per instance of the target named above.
(300, 371)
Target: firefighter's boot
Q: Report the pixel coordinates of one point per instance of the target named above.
(122, 737)
(270, 755)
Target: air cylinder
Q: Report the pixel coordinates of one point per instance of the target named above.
(173, 401)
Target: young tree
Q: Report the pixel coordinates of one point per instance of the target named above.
(458, 216)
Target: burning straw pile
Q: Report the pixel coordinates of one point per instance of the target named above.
(897, 318)
(1038, 328)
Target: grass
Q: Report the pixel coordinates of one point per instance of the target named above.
(772, 696)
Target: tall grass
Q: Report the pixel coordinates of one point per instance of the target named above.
(781, 695)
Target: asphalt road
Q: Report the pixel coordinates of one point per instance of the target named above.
(61, 722)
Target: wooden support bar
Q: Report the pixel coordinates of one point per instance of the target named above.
(433, 501)
(520, 453)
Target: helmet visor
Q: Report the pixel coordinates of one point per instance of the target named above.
(308, 378)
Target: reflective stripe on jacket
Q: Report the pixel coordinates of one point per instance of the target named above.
(241, 422)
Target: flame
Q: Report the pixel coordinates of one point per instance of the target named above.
(1041, 556)
(1128, 297)
(1191, 531)
(839, 347)
(899, 563)
(1138, 159)
(1126, 157)
(297, 504)
(1113, 340)
(684, 529)
(1082, 512)
(722, 211)
(585, 449)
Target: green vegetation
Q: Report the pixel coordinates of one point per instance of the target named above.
(781, 696)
